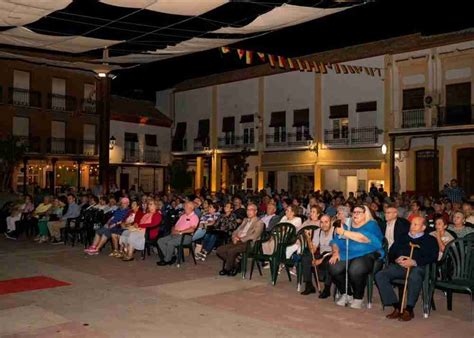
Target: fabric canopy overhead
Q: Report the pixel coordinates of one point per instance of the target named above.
(141, 31)
(228, 124)
(246, 118)
(301, 118)
(180, 131)
(203, 130)
(339, 111)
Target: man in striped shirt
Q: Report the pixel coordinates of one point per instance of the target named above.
(454, 192)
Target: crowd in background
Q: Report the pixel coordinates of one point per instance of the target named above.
(361, 228)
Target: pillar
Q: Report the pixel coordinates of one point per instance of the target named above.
(79, 162)
(224, 174)
(104, 135)
(154, 180)
(53, 178)
(391, 166)
(215, 172)
(318, 181)
(260, 179)
(435, 166)
(199, 173)
(25, 175)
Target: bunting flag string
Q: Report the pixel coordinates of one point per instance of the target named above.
(301, 64)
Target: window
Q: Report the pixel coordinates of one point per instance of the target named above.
(21, 126)
(340, 129)
(278, 123)
(58, 134)
(131, 144)
(21, 88)
(249, 135)
(150, 140)
(58, 94)
(203, 132)
(179, 142)
(301, 123)
(89, 105)
(247, 122)
(413, 98)
(228, 128)
(89, 139)
(458, 104)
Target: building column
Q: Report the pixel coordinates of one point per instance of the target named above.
(199, 173)
(79, 162)
(260, 178)
(392, 164)
(25, 175)
(138, 178)
(154, 180)
(435, 166)
(104, 134)
(53, 176)
(224, 174)
(317, 178)
(216, 172)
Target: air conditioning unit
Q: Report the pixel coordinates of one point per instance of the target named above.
(431, 100)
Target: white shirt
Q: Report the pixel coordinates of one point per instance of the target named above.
(296, 221)
(266, 219)
(321, 239)
(390, 232)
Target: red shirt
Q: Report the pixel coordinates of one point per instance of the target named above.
(155, 220)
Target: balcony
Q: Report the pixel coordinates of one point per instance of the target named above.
(60, 103)
(413, 118)
(178, 145)
(89, 148)
(199, 145)
(31, 143)
(299, 139)
(151, 154)
(352, 136)
(236, 142)
(61, 145)
(24, 97)
(131, 152)
(455, 115)
(276, 140)
(89, 106)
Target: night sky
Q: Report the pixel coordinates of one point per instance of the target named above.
(374, 21)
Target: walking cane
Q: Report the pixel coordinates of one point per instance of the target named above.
(311, 248)
(402, 307)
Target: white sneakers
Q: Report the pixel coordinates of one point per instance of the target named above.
(357, 304)
(344, 299)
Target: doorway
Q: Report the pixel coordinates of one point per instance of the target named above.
(124, 181)
(425, 161)
(465, 170)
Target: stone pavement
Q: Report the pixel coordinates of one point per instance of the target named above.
(110, 298)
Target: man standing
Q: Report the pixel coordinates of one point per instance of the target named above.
(399, 253)
(394, 227)
(250, 230)
(454, 192)
(186, 224)
(73, 211)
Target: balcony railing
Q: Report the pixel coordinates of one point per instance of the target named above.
(236, 142)
(24, 97)
(413, 118)
(31, 143)
(179, 145)
(199, 145)
(132, 152)
(61, 102)
(276, 140)
(455, 115)
(352, 136)
(89, 148)
(89, 106)
(151, 154)
(299, 139)
(62, 145)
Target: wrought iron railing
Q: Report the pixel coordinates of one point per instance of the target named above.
(24, 97)
(413, 118)
(352, 136)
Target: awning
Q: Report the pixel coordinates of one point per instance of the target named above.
(131, 137)
(246, 118)
(180, 131)
(150, 140)
(228, 124)
(366, 106)
(278, 119)
(203, 130)
(301, 118)
(339, 112)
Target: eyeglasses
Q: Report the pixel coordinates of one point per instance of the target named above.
(358, 212)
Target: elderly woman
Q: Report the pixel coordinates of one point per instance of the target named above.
(290, 217)
(364, 240)
(442, 236)
(458, 226)
(136, 238)
(134, 216)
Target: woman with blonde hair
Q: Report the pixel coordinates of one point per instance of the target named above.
(361, 245)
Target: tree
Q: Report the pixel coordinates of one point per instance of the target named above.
(180, 177)
(238, 168)
(12, 151)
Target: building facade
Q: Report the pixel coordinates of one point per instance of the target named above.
(55, 114)
(305, 131)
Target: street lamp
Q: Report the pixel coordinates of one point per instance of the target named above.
(384, 149)
(112, 142)
(313, 147)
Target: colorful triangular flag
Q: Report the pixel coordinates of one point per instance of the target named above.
(225, 50)
(261, 56)
(281, 61)
(307, 66)
(337, 68)
(271, 60)
(329, 66)
(241, 53)
(300, 65)
(291, 64)
(315, 67)
(344, 69)
(351, 69)
(323, 69)
(248, 57)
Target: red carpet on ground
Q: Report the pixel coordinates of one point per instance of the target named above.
(29, 284)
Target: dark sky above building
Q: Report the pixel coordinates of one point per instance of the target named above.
(373, 21)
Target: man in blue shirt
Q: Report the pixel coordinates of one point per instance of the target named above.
(454, 192)
(73, 211)
(114, 225)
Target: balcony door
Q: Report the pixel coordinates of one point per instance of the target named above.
(458, 104)
(425, 160)
(21, 88)
(89, 140)
(58, 135)
(88, 105)
(58, 94)
(465, 169)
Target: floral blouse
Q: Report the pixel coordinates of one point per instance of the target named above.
(227, 223)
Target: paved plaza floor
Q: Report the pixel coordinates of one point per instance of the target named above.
(111, 298)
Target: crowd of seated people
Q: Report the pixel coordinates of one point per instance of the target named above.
(357, 232)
